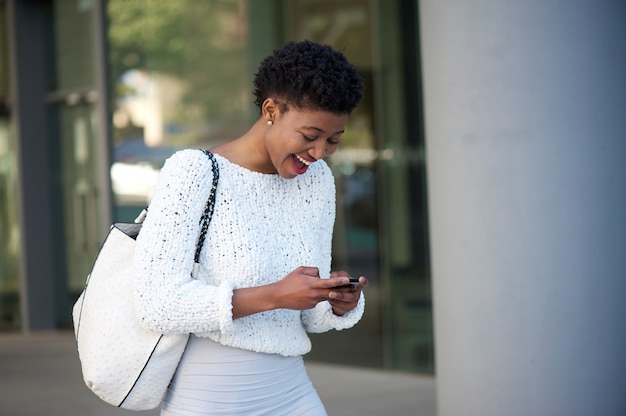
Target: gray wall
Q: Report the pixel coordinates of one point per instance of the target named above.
(526, 154)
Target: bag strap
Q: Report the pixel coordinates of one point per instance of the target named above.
(209, 207)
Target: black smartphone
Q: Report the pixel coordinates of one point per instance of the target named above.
(353, 282)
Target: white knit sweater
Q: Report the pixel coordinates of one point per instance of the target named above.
(263, 227)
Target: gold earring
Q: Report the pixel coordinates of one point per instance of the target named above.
(269, 122)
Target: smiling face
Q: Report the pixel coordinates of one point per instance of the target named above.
(299, 137)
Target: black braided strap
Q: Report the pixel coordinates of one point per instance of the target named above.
(209, 207)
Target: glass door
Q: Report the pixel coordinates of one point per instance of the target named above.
(80, 192)
(404, 217)
(381, 228)
(346, 25)
(78, 176)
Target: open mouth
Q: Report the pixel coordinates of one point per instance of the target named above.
(300, 164)
(306, 162)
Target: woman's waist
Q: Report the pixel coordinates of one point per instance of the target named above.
(272, 332)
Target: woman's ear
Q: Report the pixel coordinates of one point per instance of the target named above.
(269, 109)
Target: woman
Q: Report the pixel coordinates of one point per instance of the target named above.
(264, 278)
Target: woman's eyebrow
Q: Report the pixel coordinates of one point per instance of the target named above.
(320, 130)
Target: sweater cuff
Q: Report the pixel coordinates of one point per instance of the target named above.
(225, 306)
(349, 319)
(322, 318)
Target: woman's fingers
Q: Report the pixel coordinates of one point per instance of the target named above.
(310, 271)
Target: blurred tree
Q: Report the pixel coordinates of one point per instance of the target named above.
(202, 43)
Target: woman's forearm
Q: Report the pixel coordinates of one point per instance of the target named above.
(251, 300)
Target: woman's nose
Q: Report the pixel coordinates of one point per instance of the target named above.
(319, 151)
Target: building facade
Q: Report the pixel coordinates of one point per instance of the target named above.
(95, 94)
(517, 109)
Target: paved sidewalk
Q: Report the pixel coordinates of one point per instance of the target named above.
(40, 376)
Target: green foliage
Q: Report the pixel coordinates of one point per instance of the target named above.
(203, 43)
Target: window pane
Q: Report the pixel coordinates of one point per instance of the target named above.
(182, 73)
(9, 233)
(181, 78)
(9, 228)
(73, 45)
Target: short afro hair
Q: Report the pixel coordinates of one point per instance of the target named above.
(308, 75)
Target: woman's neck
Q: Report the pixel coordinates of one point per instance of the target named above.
(248, 150)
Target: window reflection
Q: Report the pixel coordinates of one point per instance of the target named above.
(9, 233)
(9, 225)
(181, 77)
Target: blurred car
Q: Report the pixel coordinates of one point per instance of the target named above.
(135, 170)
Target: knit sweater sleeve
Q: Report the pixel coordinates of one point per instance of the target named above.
(168, 298)
(321, 318)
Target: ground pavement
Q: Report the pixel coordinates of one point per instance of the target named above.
(40, 376)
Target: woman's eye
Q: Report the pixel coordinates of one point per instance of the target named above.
(334, 142)
(307, 138)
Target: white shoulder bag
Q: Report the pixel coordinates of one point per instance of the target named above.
(123, 363)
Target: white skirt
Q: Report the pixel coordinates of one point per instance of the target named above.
(213, 379)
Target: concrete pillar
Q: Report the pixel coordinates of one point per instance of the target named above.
(28, 30)
(525, 113)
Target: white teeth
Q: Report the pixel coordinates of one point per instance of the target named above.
(306, 162)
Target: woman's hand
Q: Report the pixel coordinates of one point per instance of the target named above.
(299, 290)
(303, 288)
(344, 299)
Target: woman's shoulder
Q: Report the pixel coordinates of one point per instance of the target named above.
(188, 160)
(188, 156)
(186, 169)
